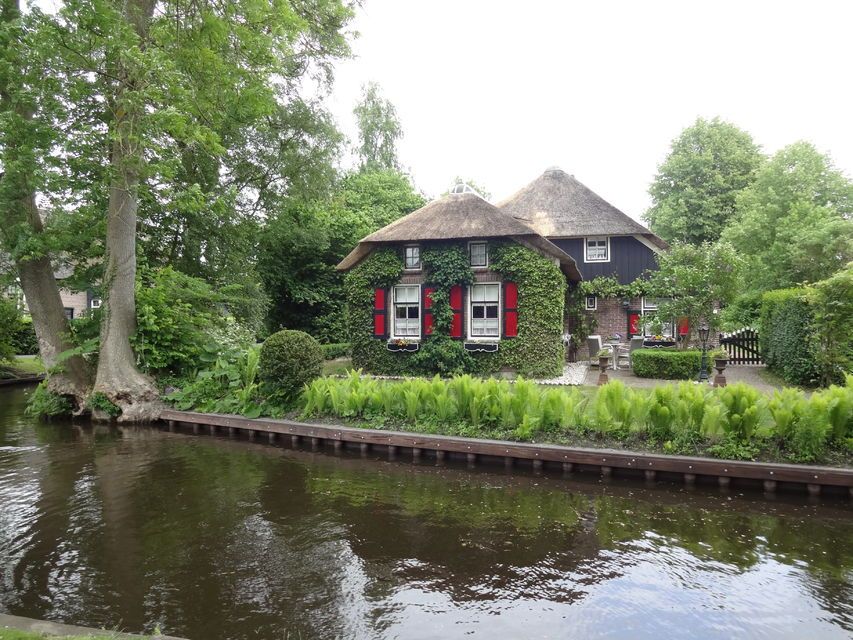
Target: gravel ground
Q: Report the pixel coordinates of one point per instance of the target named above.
(573, 374)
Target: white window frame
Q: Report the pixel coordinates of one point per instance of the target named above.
(648, 307)
(394, 333)
(594, 306)
(92, 304)
(470, 313)
(651, 309)
(479, 266)
(420, 263)
(586, 240)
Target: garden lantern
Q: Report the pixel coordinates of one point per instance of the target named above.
(704, 330)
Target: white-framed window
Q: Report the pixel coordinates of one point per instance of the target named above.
(412, 257)
(591, 303)
(650, 304)
(96, 303)
(407, 311)
(478, 253)
(597, 249)
(484, 310)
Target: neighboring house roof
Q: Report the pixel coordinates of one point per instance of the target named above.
(557, 205)
(458, 216)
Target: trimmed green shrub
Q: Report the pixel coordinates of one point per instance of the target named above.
(832, 302)
(336, 350)
(786, 335)
(8, 323)
(668, 364)
(289, 360)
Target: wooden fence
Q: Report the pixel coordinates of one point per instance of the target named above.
(742, 346)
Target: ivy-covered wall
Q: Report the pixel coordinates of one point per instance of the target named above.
(536, 351)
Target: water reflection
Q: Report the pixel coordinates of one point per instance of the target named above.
(210, 538)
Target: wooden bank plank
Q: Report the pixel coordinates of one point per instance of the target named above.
(803, 474)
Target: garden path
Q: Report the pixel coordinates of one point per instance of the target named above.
(752, 375)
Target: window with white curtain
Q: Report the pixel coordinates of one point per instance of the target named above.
(407, 311)
(485, 310)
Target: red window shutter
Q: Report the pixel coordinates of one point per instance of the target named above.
(456, 307)
(683, 326)
(379, 312)
(634, 324)
(510, 310)
(427, 297)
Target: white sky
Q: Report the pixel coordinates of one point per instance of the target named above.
(498, 91)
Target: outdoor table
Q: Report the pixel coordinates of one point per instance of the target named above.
(614, 351)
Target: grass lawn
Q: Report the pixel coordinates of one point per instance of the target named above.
(339, 366)
(29, 365)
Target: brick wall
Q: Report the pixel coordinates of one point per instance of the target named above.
(78, 301)
(612, 317)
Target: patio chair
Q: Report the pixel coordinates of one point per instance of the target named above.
(627, 354)
(593, 344)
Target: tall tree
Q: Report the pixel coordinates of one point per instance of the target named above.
(26, 137)
(302, 244)
(379, 130)
(794, 224)
(151, 89)
(695, 189)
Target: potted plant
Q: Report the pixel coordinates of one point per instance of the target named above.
(721, 360)
(604, 358)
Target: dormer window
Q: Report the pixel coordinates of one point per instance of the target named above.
(413, 258)
(597, 249)
(478, 252)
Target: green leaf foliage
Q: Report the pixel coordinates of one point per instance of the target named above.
(288, 361)
(695, 190)
(793, 224)
(733, 422)
(668, 364)
(786, 336)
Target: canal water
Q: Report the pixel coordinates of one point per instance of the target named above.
(207, 538)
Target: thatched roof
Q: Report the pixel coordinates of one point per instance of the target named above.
(458, 216)
(557, 205)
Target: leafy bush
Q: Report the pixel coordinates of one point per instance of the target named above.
(336, 350)
(832, 302)
(99, 402)
(668, 364)
(442, 355)
(787, 345)
(744, 311)
(288, 361)
(43, 403)
(229, 386)
(9, 321)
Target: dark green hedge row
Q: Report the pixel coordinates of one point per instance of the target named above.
(786, 335)
(668, 364)
(336, 350)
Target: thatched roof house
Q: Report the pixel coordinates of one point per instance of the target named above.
(556, 205)
(459, 216)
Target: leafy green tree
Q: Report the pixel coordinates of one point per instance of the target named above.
(9, 322)
(303, 243)
(693, 279)
(794, 224)
(136, 108)
(379, 130)
(695, 189)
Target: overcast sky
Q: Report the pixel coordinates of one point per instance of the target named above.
(499, 91)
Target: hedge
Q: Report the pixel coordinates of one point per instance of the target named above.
(668, 364)
(336, 350)
(786, 335)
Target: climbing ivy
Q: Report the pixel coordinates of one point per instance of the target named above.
(537, 351)
(609, 287)
(381, 269)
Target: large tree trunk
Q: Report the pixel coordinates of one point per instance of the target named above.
(117, 377)
(73, 377)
